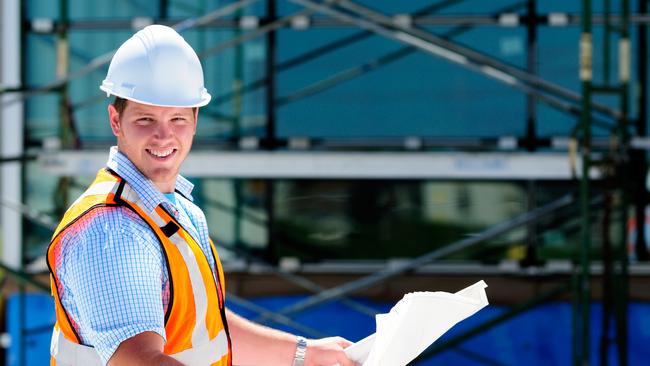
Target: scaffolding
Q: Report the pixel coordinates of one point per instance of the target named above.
(618, 161)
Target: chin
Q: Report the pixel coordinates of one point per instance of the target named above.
(163, 175)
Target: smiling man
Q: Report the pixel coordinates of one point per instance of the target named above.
(135, 277)
(156, 139)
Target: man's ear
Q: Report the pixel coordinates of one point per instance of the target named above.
(114, 118)
(196, 119)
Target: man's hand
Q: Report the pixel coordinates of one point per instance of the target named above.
(327, 352)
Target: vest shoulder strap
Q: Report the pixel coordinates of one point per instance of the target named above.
(102, 192)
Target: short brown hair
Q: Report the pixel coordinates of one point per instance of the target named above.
(119, 104)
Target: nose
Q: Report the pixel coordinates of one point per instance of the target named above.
(163, 130)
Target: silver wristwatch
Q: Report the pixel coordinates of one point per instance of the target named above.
(301, 351)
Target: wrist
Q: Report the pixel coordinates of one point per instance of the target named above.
(301, 352)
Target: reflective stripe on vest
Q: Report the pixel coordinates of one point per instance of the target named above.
(195, 321)
(67, 353)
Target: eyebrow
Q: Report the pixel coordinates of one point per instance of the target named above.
(142, 113)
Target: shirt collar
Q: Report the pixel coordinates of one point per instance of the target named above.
(149, 194)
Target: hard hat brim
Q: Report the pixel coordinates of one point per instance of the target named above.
(200, 103)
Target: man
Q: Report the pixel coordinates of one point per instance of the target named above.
(135, 277)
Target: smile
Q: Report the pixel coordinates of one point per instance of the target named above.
(161, 153)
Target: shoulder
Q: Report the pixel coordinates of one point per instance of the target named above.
(108, 222)
(107, 233)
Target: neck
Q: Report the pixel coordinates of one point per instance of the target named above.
(166, 187)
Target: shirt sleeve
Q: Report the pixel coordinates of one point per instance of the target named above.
(112, 272)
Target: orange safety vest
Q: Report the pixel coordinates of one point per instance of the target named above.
(195, 321)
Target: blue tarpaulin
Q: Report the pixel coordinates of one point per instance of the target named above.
(540, 336)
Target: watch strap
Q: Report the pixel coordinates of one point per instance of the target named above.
(301, 352)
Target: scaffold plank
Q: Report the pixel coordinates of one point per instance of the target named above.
(343, 165)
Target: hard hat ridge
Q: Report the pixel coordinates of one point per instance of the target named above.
(157, 66)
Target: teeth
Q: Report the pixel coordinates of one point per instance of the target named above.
(161, 153)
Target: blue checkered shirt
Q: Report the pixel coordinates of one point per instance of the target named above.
(113, 277)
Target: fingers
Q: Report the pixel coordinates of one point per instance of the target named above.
(343, 342)
(329, 351)
(345, 361)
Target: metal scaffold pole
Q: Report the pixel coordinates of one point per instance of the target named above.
(237, 128)
(581, 321)
(639, 159)
(620, 270)
(531, 257)
(618, 181)
(68, 133)
(270, 141)
(607, 207)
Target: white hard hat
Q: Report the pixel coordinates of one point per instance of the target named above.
(157, 67)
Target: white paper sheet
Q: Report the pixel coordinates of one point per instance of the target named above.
(415, 322)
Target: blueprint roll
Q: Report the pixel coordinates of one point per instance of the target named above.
(414, 323)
